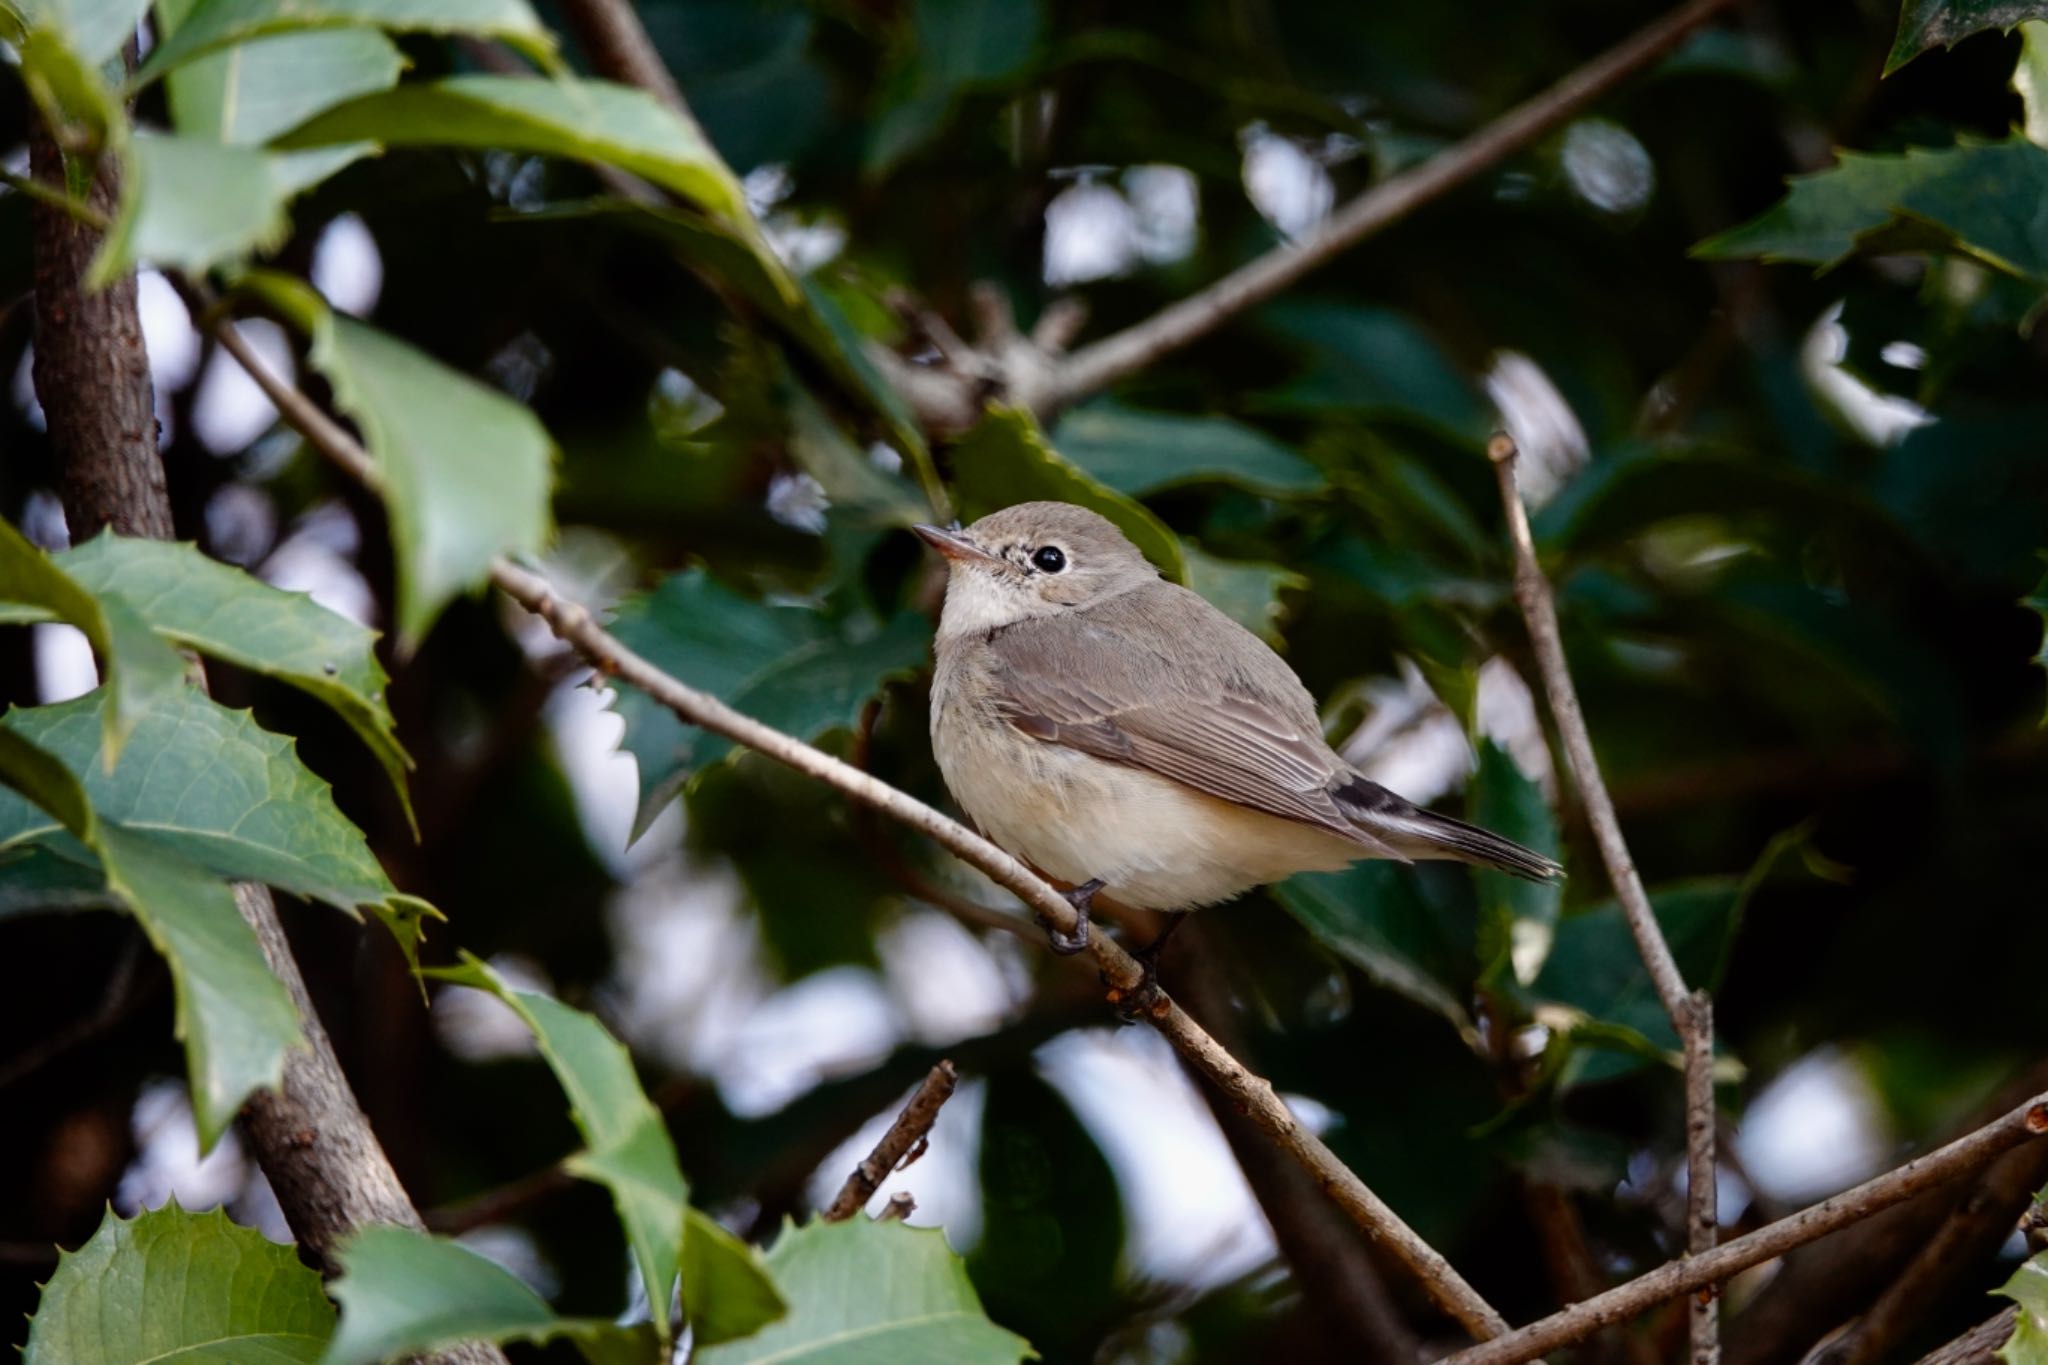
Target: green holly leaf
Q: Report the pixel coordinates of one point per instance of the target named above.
(867, 1293)
(1142, 452)
(403, 1292)
(1517, 918)
(1944, 23)
(728, 1292)
(1373, 915)
(201, 604)
(171, 1285)
(1248, 594)
(2028, 1287)
(1006, 459)
(139, 667)
(215, 24)
(629, 1150)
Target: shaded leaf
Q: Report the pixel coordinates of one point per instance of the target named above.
(1248, 594)
(823, 686)
(2030, 81)
(403, 1292)
(139, 667)
(1141, 452)
(629, 1151)
(466, 471)
(849, 477)
(210, 786)
(1373, 916)
(1374, 362)
(171, 1285)
(36, 878)
(862, 1291)
(215, 24)
(1005, 459)
(727, 1290)
(587, 120)
(2028, 1288)
(69, 91)
(258, 89)
(1517, 918)
(168, 221)
(956, 46)
(1977, 199)
(1943, 23)
(202, 604)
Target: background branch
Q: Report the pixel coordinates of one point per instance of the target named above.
(1979, 1345)
(2024, 1124)
(903, 1143)
(1691, 1013)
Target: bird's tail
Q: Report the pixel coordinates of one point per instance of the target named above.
(1418, 833)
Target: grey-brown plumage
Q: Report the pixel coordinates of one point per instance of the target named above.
(1106, 725)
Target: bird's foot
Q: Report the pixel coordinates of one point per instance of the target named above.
(1146, 998)
(1081, 897)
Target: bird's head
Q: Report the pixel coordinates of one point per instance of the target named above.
(1033, 559)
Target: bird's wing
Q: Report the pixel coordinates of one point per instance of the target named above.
(1099, 682)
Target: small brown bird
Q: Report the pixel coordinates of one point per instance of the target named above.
(1122, 736)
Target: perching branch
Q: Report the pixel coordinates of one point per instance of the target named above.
(1256, 1096)
(902, 1144)
(1979, 1345)
(92, 376)
(1689, 1274)
(1691, 1012)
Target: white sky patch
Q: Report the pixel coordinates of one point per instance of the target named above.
(1879, 419)
(605, 782)
(1553, 445)
(948, 982)
(477, 1026)
(24, 390)
(168, 1166)
(64, 664)
(1817, 1128)
(945, 1181)
(347, 267)
(318, 558)
(1607, 167)
(167, 334)
(230, 411)
(1090, 233)
(1411, 742)
(1166, 207)
(1192, 1219)
(1286, 184)
(833, 1022)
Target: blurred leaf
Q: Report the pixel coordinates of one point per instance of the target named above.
(1373, 916)
(957, 45)
(92, 30)
(139, 667)
(1248, 594)
(1142, 452)
(208, 785)
(1052, 1233)
(2028, 1287)
(232, 1014)
(171, 1285)
(70, 91)
(629, 1150)
(466, 471)
(1517, 918)
(403, 1292)
(2030, 81)
(204, 605)
(727, 1290)
(868, 1293)
(2037, 602)
(1375, 362)
(823, 686)
(1944, 23)
(849, 477)
(215, 24)
(258, 89)
(1005, 460)
(34, 878)
(587, 120)
(1977, 200)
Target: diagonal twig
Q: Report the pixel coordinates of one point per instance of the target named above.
(1098, 365)
(575, 625)
(902, 1144)
(1691, 1012)
(1689, 1274)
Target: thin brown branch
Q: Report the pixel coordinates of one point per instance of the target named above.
(92, 374)
(1965, 1240)
(1979, 1345)
(902, 1144)
(1256, 1096)
(1097, 366)
(1689, 1274)
(616, 42)
(1691, 1013)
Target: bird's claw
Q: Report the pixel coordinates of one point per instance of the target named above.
(1065, 944)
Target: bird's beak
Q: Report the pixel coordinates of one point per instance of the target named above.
(954, 545)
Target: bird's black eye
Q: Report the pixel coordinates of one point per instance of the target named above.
(1048, 558)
